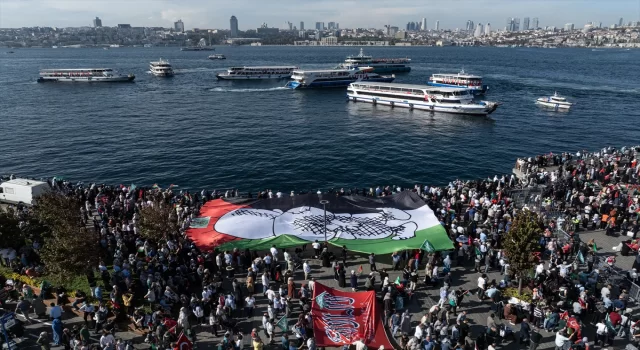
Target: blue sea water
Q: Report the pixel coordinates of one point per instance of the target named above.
(194, 131)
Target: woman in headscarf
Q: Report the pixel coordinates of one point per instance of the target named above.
(342, 278)
(56, 327)
(354, 281)
(291, 288)
(250, 282)
(183, 319)
(67, 337)
(43, 341)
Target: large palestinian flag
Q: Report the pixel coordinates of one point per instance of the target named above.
(363, 224)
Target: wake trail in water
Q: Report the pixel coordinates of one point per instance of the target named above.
(219, 89)
(197, 70)
(542, 82)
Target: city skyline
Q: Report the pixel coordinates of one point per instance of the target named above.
(215, 14)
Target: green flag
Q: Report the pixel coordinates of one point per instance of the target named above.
(133, 187)
(580, 257)
(397, 280)
(320, 300)
(428, 247)
(283, 324)
(595, 247)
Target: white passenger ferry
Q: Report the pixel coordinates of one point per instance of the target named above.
(437, 99)
(161, 68)
(334, 77)
(90, 75)
(247, 73)
(379, 65)
(556, 102)
(462, 79)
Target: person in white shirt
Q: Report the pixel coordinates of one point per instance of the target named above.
(249, 304)
(316, 248)
(265, 283)
(279, 194)
(419, 331)
(482, 282)
(601, 333)
(274, 253)
(561, 338)
(539, 269)
(107, 340)
(307, 270)
(312, 284)
(605, 291)
(271, 294)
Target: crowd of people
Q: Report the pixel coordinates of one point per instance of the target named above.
(170, 286)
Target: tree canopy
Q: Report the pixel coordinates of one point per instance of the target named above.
(68, 247)
(521, 242)
(10, 233)
(158, 221)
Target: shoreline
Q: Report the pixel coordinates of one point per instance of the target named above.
(517, 174)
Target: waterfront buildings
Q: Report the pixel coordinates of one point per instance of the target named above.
(319, 25)
(569, 27)
(178, 26)
(437, 26)
(487, 29)
(424, 24)
(534, 23)
(525, 24)
(470, 27)
(97, 22)
(513, 24)
(301, 25)
(234, 27)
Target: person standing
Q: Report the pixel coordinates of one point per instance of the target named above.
(316, 248)
(372, 262)
(307, 270)
(535, 338)
(43, 341)
(23, 307)
(353, 281)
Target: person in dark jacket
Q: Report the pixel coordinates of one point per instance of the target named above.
(342, 278)
(354, 281)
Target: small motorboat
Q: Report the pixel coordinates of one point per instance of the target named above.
(556, 102)
(217, 56)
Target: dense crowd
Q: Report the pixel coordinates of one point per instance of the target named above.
(170, 286)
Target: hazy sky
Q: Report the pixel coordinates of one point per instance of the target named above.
(349, 13)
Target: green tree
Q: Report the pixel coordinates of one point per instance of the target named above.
(158, 221)
(10, 233)
(521, 242)
(68, 247)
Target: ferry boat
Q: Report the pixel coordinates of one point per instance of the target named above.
(334, 77)
(161, 68)
(217, 56)
(89, 75)
(556, 102)
(430, 98)
(201, 46)
(249, 73)
(379, 65)
(462, 79)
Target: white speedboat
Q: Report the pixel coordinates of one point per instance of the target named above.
(161, 68)
(87, 75)
(556, 102)
(252, 73)
(429, 98)
(217, 56)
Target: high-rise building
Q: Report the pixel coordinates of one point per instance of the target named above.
(534, 23)
(620, 22)
(331, 25)
(568, 27)
(97, 22)
(513, 24)
(337, 26)
(318, 25)
(178, 26)
(301, 25)
(424, 24)
(487, 29)
(437, 27)
(470, 26)
(234, 26)
(525, 23)
(478, 31)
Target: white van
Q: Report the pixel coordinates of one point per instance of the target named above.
(21, 190)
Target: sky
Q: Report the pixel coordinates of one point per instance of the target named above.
(349, 13)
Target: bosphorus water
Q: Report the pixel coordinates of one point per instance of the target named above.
(194, 131)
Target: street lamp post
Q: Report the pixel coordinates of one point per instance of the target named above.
(324, 203)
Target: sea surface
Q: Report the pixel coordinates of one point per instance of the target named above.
(196, 132)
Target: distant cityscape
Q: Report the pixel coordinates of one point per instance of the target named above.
(527, 33)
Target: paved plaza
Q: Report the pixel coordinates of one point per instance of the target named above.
(463, 276)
